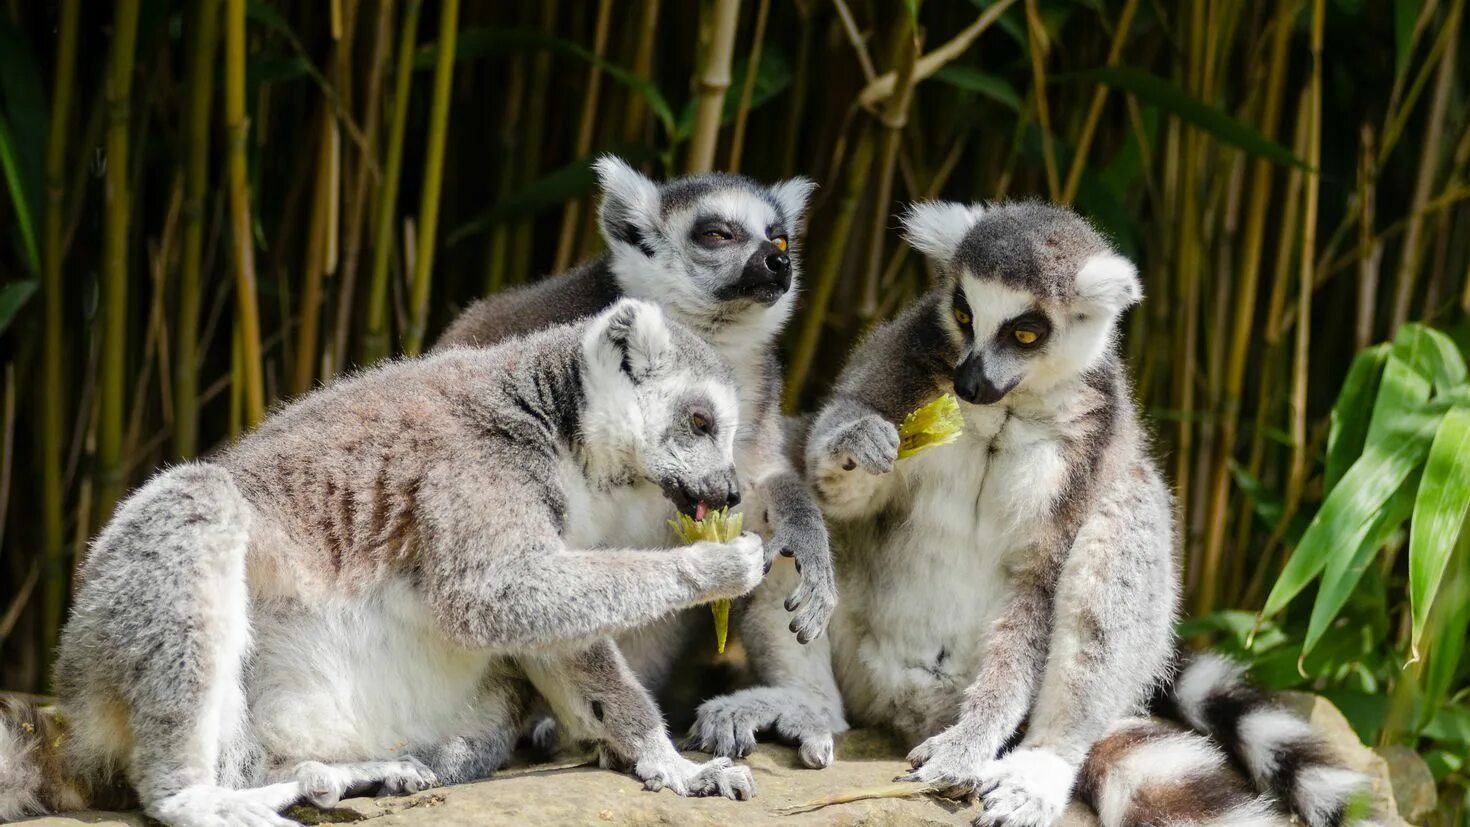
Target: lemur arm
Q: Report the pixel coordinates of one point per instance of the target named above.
(503, 578)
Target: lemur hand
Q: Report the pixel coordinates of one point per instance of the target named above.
(950, 761)
(726, 570)
(869, 442)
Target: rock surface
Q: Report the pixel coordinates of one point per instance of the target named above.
(559, 794)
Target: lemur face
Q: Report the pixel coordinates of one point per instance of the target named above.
(660, 407)
(710, 245)
(1033, 293)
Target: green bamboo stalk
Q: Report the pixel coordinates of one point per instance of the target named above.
(572, 214)
(711, 84)
(203, 47)
(747, 90)
(1038, 48)
(497, 259)
(375, 335)
(826, 280)
(635, 114)
(907, 44)
(237, 125)
(114, 300)
(364, 174)
(318, 235)
(1095, 108)
(53, 369)
(423, 271)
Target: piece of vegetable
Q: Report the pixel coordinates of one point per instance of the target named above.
(717, 527)
(937, 423)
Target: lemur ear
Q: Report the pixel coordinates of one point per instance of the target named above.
(936, 228)
(792, 196)
(631, 338)
(629, 204)
(1110, 281)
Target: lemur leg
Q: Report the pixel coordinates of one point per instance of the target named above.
(477, 754)
(596, 696)
(799, 701)
(326, 784)
(1110, 643)
(164, 608)
(1012, 658)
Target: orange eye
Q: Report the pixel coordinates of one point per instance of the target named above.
(780, 242)
(1025, 337)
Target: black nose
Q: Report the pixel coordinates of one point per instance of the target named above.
(972, 385)
(778, 263)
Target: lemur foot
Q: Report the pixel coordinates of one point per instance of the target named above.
(685, 777)
(545, 737)
(324, 785)
(1027, 788)
(815, 597)
(727, 726)
(950, 761)
(219, 807)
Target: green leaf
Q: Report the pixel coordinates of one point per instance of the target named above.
(12, 297)
(991, 86)
(26, 110)
(1451, 723)
(19, 199)
(1449, 624)
(1170, 98)
(1439, 513)
(773, 76)
(474, 44)
(1345, 570)
(1351, 508)
(1352, 411)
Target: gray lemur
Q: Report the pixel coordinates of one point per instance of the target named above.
(1026, 572)
(364, 590)
(720, 253)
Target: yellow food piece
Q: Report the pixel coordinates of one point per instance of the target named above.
(937, 423)
(716, 527)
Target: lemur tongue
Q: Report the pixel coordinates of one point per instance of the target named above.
(700, 510)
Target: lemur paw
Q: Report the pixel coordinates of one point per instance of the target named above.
(869, 442)
(815, 597)
(325, 785)
(1027, 788)
(545, 736)
(727, 726)
(217, 807)
(950, 762)
(407, 776)
(728, 570)
(684, 777)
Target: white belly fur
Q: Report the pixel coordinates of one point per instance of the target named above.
(918, 602)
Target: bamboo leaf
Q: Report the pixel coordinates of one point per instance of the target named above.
(1343, 571)
(772, 78)
(1439, 513)
(1449, 625)
(13, 296)
(19, 199)
(1353, 411)
(25, 109)
(991, 86)
(1174, 100)
(1350, 509)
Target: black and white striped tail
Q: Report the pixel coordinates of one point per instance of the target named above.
(1152, 774)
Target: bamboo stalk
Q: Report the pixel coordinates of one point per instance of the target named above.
(318, 232)
(522, 248)
(747, 90)
(497, 259)
(1370, 249)
(711, 84)
(114, 300)
(53, 368)
(1095, 107)
(365, 172)
(800, 87)
(1245, 313)
(1430, 154)
(635, 114)
(203, 48)
(907, 44)
(237, 125)
(882, 86)
(423, 270)
(375, 334)
(572, 213)
(1037, 47)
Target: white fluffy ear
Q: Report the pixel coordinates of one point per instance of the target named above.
(1109, 280)
(792, 195)
(630, 338)
(629, 211)
(936, 228)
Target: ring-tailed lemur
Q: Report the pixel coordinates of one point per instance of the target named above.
(720, 253)
(1025, 572)
(358, 592)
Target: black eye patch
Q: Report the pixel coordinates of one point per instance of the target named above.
(1026, 331)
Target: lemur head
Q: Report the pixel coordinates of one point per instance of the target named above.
(715, 249)
(1032, 292)
(660, 407)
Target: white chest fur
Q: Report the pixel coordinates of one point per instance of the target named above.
(922, 585)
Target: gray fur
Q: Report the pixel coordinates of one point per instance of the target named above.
(1024, 572)
(361, 592)
(656, 253)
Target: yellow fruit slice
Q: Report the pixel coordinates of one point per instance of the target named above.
(717, 527)
(937, 423)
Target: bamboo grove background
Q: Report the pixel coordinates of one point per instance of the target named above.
(217, 204)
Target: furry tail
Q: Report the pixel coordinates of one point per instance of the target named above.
(1282, 754)
(32, 781)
